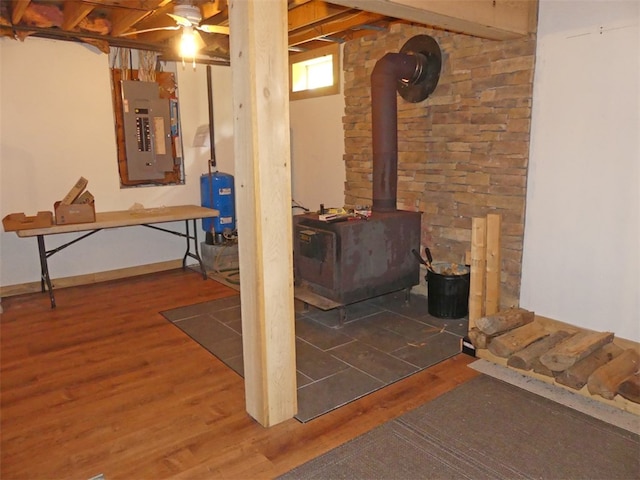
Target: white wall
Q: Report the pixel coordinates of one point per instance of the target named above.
(57, 124)
(581, 251)
(317, 150)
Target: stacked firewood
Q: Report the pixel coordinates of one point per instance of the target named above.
(572, 357)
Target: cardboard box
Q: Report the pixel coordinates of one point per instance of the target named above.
(74, 213)
(76, 206)
(19, 221)
(75, 191)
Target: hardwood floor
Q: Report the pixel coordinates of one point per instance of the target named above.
(103, 384)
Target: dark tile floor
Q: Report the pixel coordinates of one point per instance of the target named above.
(383, 340)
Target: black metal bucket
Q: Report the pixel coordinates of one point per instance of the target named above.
(448, 295)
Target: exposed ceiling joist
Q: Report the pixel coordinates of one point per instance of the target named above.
(310, 23)
(494, 19)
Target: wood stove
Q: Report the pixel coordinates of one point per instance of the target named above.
(354, 260)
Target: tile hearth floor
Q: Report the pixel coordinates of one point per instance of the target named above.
(383, 340)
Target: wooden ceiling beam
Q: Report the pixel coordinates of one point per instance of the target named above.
(123, 19)
(74, 12)
(333, 27)
(18, 8)
(493, 19)
(310, 13)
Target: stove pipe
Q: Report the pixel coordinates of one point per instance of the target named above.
(414, 72)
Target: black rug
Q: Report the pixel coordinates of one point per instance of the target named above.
(383, 340)
(484, 429)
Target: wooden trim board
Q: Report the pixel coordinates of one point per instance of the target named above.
(90, 278)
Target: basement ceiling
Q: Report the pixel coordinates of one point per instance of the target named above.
(114, 23)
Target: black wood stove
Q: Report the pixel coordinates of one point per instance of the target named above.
(354, 260)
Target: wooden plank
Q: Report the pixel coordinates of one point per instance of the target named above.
(574, 349)
(577, 375)
(504, 320)
(525, 358)
(606, 379)
(91, 278)
(127, 218)
(507, 344)
(494, 268)
(74, 12)
(478, 257)
(263, 197)
(497, 20)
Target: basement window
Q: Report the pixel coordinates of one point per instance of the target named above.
(315, 73)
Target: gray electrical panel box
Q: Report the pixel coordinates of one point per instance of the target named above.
(147, 131)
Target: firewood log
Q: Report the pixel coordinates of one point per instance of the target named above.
(606, 379)
(480, 340)
(574, 349)
(524, 359)
(630, 388)
(504, 321)
(508, 343)
(577, 375)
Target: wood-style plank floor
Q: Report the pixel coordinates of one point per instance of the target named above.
(103, 384)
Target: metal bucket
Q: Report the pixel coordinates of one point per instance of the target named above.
(448, 294)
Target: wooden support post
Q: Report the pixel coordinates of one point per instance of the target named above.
(259, 64)
(478, 264)
(494, 267)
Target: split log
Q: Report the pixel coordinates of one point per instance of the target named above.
(480, 340)
(478, 265)
(525, 358)
(504, 321)
(577, 375)
(539, 368)
(508, 343)
(630, 388)
(492, 281)
(606, 379)
(574, 349)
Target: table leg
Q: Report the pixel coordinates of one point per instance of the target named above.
(188, 253)
(44, 270)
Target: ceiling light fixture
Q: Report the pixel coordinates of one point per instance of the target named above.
(188, 45)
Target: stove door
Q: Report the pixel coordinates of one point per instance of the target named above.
(315, 256)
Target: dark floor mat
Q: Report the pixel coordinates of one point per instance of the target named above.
(484, 429)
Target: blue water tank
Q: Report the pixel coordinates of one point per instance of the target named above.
(217, 191)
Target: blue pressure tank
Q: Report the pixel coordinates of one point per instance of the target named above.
(217, 191)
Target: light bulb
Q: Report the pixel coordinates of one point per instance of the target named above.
(188, 47)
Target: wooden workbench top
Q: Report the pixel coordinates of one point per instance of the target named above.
(124, 218)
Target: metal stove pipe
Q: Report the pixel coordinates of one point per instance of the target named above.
(414, 73)
(388, 71)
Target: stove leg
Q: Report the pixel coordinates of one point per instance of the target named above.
(407, 295)
(342, 314)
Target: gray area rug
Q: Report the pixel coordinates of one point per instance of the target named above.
(384, 340)
(484, 429)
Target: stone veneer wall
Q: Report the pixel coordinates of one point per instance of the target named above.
(463, 152)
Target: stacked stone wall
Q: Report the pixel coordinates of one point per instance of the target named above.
(463, 152)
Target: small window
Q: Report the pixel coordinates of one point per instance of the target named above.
(315, 73)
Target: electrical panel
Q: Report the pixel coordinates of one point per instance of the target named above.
(147, 130)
